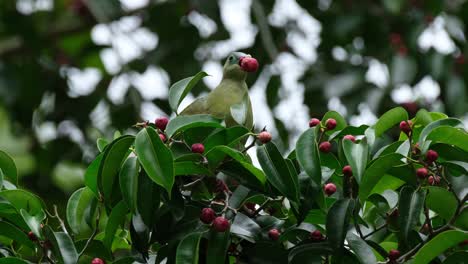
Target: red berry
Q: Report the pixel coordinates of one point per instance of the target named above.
(221, 224)
(433, 180)
(264, 137)
(248, 64)
(274, 234)
(329, 189)
(421, 173)
(393, 254)
(350, 137)
(32, 236)
(325, 147)
(221, 186)
(347, 170)
(98, 261)
(330, 123)
(431, 156)
(162, 137)
(198, 148)
(313, 122)
(207, 215)
(405, 126)
(316, 235)
(161, 123)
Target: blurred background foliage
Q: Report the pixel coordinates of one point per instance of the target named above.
(72, 71)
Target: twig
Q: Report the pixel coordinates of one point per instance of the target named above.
(410, 253)
(375, 231)
(188, 185)
(249, 146)
(62, 224)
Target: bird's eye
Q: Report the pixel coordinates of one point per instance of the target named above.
(231, 58)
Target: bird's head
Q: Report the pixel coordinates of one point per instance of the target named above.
(238, 64)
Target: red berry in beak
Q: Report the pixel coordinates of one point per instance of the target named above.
(248, 64)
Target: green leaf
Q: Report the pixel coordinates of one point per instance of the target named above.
(190, 168)
(1, 179)
(356, 155)
(22, 199)
(182, 123)
(77, 206)
(12, 232)
(187, 250)
(375, 172)
(113, 157)
(217, 247)
(101, 143)
(340, 121)
(389, 119)
(277, 171)
(410, 207)
(451, 136)
(451, 122)
(438, 245)
(62, 245)
(91, 174)
(33, 221)
(116, 217)
(462, 166)
(308, 155)
(441, 201)
(180, 89)
(245, 228)
(155, 157)
(302, 254)
(219, 153)
(12, 260)
(361, 249)
(246, 173)
(128, 179)
(240, 111)
(8, 167)
(338, 219)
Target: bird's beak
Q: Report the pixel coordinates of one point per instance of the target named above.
(248, 64)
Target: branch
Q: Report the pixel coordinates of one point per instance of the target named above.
(62, 224)
(375, 231)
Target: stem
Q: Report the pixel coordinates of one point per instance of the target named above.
(188, 185)
(375, 231)
(428, 220)
(410, 253)
(249, 146)
(56, 215)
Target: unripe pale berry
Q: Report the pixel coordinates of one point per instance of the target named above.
(207, 215)
(264, 137)
(350, 137)
(98, 261)
(198, 148)
(329, 189)
(330, 123)
(347, 170)
(161, 123)
(325, 147)
(274, 234)
(393, 254)
(32, 236)
(162, 137)
(431, 156)
(248, 64)
(316, 235)
(421, 173)
(314, 122)
(405, 126)
(221, 224)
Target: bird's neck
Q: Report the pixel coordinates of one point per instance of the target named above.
(233, 85)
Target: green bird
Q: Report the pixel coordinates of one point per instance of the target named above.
(232, 92)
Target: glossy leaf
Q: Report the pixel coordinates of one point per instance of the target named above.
(389, 119)
(451, 136)
(302, 253)
(116, 218)
(340, 121)
(452, 122)
(361, 249)
(62, 245)
(91, 174)
(410, 207)
(244, 227)
(441, 201)
(77, 206)
(308, 155)
(438, 245)
(128, 179)
(190, 168)
(187, 250)
(113, 157)
(8, 167)
(338, 220)
(1, 179)
(180, 89)
(356, 155)
(277, 171)
(101, 143)
(217, 247)
(22, 199)
(155, 157)
(182, 123)
(33, 221)
(13, 260)
(14, 233)
(219, 153)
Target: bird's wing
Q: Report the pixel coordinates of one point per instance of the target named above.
(196, 107)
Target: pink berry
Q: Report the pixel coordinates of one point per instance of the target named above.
(161, 123)
(325, 147)
(431, 156)
(248, 64)
(330, 123)
(393, 254)
(347, 171)
(350, 137)
(221, 224)
(405, 126)
(314, 122)
(264, 137)
(329, 189)
(162, 137)
(433, 180)
(421, 173)
(316, 235)
(98, 261)
(274, 234)
(207, 215)
(198, 148)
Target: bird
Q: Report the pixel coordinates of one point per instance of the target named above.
(231, 91)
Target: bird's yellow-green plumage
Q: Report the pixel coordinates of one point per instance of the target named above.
(230, 91)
